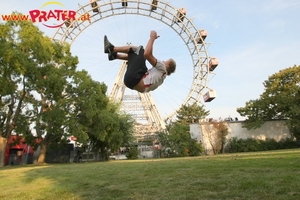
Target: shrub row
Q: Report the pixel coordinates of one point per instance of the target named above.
(250, 145)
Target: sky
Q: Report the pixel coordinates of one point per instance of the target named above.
(251, 39)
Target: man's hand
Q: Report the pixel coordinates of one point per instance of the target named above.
(153, 34)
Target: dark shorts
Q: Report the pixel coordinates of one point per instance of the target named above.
(136, 68)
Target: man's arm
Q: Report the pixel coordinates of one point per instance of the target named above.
(149, 48)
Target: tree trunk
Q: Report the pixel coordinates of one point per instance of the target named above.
(103, 154)
(3, 143)
(42, 156)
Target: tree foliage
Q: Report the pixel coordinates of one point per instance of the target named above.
(217, 132)
(280, 100)
(133, 153)
(43, 96)
(189, 114)
(24, 54)
(176, 139)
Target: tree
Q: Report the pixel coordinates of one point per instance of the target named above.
(49, 110)
(99, 118)
(116, 132)
(34, 72)
(280, 100)
(177, 141)
(216, 133)
(26, 55)
(177, 136)
(42, 94)
(189, 114)
(133, 153)
(13, 62)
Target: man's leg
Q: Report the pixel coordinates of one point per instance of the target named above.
(114, 50)
(119, 53)
(122, 52)
(122, 56)
(110, 48)
(125, 49)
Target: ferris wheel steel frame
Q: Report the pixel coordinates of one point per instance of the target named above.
(163, 12)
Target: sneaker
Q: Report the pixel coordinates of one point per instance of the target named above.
(112, 56)
(108, 47)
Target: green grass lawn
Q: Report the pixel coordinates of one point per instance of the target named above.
(262, 175)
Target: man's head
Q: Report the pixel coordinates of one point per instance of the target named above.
(171, 66)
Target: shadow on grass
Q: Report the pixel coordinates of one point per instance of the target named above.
(247, 176)
(65, 181)
(147, 179)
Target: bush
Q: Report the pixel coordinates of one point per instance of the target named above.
(288, 143)
(195, 148)
(133, 153)
(271, 144)
(235, 145)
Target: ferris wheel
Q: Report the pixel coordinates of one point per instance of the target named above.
(129, 22)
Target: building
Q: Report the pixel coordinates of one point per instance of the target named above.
(18, 152)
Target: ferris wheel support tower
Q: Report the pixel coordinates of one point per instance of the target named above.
(142, 105)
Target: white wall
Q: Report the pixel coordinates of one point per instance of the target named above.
(204, 132)
(271, 129)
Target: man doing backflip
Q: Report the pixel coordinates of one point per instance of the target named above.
(137, 76)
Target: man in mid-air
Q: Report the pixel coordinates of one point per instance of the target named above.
(137, 76)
